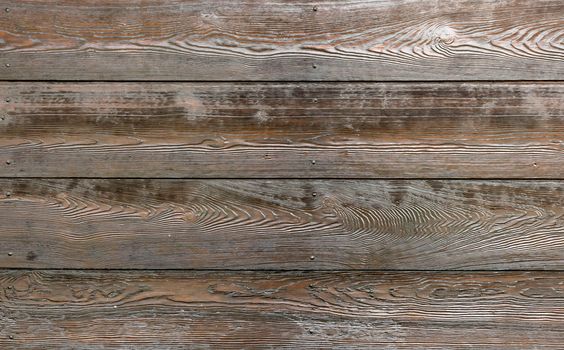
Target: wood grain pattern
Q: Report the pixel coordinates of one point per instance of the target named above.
(282, 224)
(282, 40)
(296, 130)
(189, 310)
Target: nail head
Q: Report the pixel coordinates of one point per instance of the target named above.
(8, 65)
(8, 162)
(7, 9)
(10, 253)
(312, 257)
(315, 8)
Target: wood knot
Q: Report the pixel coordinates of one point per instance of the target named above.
(445, 35)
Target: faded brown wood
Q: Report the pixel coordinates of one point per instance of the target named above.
(296, 130)
(190, 310)
(282, 224)
(282, 40)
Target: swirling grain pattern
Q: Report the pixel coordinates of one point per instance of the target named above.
(265, 310)
(282, 40)
(258, 130)
(281, 224)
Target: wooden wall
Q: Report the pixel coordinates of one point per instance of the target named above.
(261, 174)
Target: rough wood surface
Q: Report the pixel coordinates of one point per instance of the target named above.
(188, 310)
(282, 224)
(320, 130)
(282, 40)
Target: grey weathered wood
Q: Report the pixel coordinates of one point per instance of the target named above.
(282, 40)
(296, 130)
(281, 224)
(190, 310)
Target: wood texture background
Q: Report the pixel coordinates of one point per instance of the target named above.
(282, 40)
(282, 224)
(248, 310)
(366, 130)
(280, 174)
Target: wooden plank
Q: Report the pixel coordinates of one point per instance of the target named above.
(282, 224)
(294, 130)
(282, 40)
(191, 310)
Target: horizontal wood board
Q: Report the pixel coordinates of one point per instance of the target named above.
(276, 130)
(282, 40)
(282, 224)
(244, 310)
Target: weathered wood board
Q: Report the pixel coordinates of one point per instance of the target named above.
(249, 310)
(296, 130)
(282, 224)
(282, 40)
